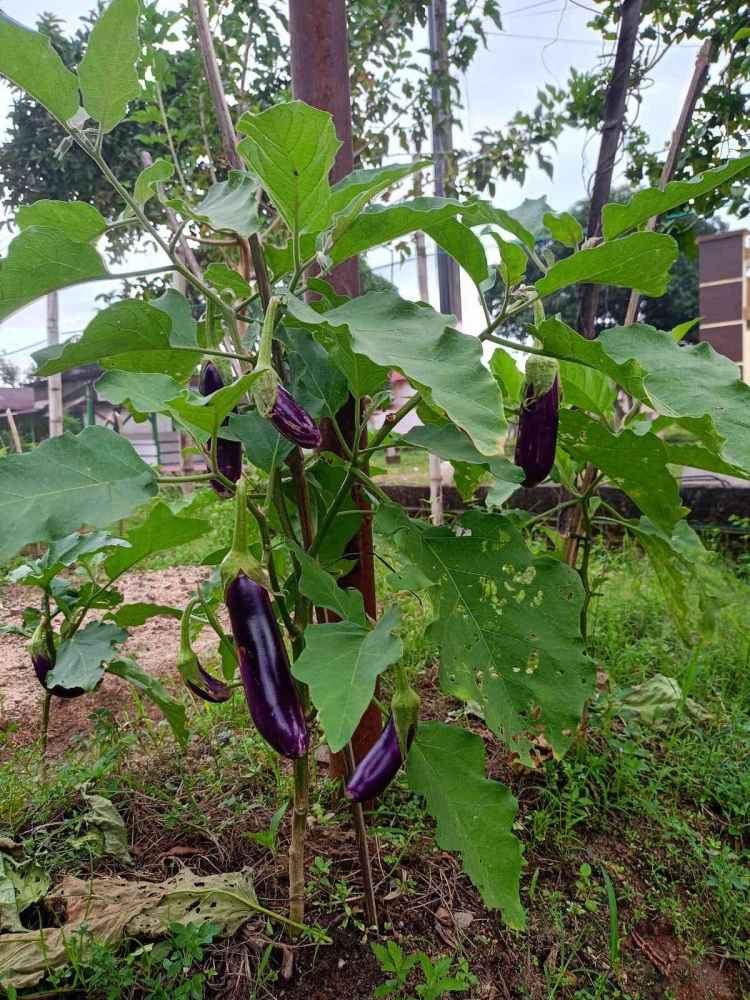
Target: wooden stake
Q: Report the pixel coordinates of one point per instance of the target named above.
(13, 430)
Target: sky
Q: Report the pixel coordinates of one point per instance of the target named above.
(541, 40)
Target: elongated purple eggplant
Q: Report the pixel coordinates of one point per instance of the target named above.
(43, 665)
(538, 420)
(264, 667)
(294, 422)
(379, 766)
(228, 453)
(203, 684)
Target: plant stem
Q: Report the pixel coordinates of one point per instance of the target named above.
(201, 477)
(45, 732)
(548, 513)
(299, 832)
(371, 906)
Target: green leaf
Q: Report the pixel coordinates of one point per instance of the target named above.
(324, 481)
(103, 817)
(341, 663)
(149, 179)
(107, 71)
(80, 222)
(474, 815)
(265, 448)
(161, 530)
(134, 673)
(184, 326)
(133, 615)
(417, 341)
(525, 222)
(408, 577)
(316, 376)
(565, 228)
(229, 205)
(291, 148)
(40, 261)
(587, 388)
(509, 378)
(383, 223)
(28, 60)
(222, 277)
(682, 565)
(93, 478)
(464, 247)
(363, 376)
(451, 445)
(513, 261)
(701, 389)
(350, 195)
(637, 464)
(80, 660)
(698, 457)
(140, 393)
(644, 205)
(64, 552)
(130, 336)
(324, 591)
(507, 624)
(641, 261)
(208, 412)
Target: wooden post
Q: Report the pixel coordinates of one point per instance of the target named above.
(54, 382)
(320, 77)
(13, 430)
(614, 120)
(698, 82)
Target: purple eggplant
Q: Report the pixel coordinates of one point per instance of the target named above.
(203, 684)
(291, 420)
(42, 666)
(379, 766)
(538, 420)
(270, 690)
(228, 453)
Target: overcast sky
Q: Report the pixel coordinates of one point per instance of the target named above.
(540, 43)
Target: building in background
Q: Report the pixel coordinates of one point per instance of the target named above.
(723, 277)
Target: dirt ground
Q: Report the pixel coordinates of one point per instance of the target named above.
(154, 645)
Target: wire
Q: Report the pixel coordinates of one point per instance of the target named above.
(37, 343)
(569, 41)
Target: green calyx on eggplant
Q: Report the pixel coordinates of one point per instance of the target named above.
(203, 684)
(43, 665)
(538, 420)
(274, 402)
(379, 766)
(228, 453)
(405, 705)
(239, 560)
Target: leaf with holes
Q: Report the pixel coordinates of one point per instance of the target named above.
(341, 662)
(474, 815)
(80, 659)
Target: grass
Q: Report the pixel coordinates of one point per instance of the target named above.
(639, 829)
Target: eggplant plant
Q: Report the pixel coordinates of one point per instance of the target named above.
(508, 622)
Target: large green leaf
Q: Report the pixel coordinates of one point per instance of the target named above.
(91, 478)
(208, 412)
(315, 375)
(222, 277)
(264, 446)
(341, 663)
(324, 479)
(683, 566)
(700, 388)
(139, 392)
(291, 148)
(133, 615)
(525, 222)
(507, 625)
(161, 530)
(29, 61)
(641, 261)
(323, 590)
(40, 261)
(417, 341)
(80, 660)
(130, 336)
(350, 195)
(64, 552)
(587, 388)
(698, 457)
(560, 341)
(450, 444)
(474, 815)
(463, 245)
(81, 222)
(644, 205)
(383, 223)
(107, 70)
(184, 326)
(229, 205)
(152, 688)
(635, 463)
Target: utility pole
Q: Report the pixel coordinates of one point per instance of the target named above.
(698, 82)
(614, 120)
(54, 382)
(320, 77)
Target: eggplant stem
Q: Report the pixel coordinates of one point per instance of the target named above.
(45, 732)
(297, 846)
(365, 866)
